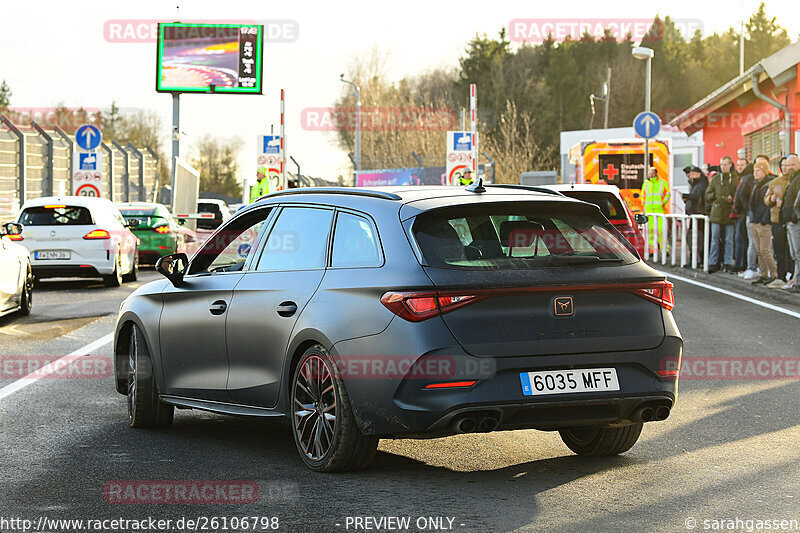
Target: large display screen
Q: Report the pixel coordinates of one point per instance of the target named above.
(205, 58)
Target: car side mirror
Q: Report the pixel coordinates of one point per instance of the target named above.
(132, 222)
(640, 218)
(10, 228)
(173, 267)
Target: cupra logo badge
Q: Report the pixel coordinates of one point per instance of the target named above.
(562, 306)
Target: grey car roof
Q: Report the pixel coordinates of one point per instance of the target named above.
(410, 200)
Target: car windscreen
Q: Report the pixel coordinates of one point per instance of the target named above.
(609, 204)
(519, 235)
(62, 215)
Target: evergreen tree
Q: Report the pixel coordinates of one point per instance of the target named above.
(5, 96)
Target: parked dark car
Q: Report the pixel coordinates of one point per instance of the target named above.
(357, 314)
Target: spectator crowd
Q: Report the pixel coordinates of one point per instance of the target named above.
(755, 218)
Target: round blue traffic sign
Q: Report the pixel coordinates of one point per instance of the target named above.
(88, 137)
(243, 250)
(647, 125)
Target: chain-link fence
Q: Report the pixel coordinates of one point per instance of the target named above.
(37, 162)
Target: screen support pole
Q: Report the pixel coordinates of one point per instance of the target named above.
(176, 144)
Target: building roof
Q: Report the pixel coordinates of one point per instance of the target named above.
(780, 67)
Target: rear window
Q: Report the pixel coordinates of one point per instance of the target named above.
(134, 212)
(146, 215)
(56, 216)
(609, 204)
(515, 236)
(207, 223)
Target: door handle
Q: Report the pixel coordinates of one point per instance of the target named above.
(218, 307)
(287, 309)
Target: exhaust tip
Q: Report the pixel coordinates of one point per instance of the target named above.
(466, 425)
(646, 414)
(488, 424)
(662, 413)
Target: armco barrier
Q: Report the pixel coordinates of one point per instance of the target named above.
(671, 248)
(36, 161)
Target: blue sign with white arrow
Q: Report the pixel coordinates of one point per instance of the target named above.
(88, 137)
(647, 124)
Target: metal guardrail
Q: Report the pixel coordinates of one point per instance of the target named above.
(36, 162)
(669, 248)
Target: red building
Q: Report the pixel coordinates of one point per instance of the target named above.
(757, 111)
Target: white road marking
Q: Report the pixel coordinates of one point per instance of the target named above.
(779, 309)
(21, 383)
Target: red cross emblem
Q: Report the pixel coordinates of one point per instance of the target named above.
(610, 172)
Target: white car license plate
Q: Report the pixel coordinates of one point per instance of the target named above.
(567, 381)
(52, 254)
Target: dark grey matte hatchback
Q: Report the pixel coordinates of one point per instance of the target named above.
(416, 312)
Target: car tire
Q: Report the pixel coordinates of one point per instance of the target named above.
(598, 441)
(318, 394)
(115, 278)
(26, 299)
(145, 408)
(134, 273)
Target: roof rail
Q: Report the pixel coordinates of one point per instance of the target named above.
(335, 190)
(524, 188)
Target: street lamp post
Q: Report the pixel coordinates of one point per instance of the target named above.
(357, 147)
(644, 53)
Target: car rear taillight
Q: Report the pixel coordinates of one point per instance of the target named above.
(15, 237)
(418, 306)
(162, 229)
(451, 384)
(660, 293)
(97, 234)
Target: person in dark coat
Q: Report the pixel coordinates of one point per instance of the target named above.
(695, 199)
(695, 204)
(741, 239)
(720, 193)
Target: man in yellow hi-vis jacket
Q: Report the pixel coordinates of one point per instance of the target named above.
(655, 198)
(261, 187)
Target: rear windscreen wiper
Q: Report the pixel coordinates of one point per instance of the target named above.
(571, 258)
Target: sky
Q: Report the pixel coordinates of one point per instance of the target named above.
(53, 51)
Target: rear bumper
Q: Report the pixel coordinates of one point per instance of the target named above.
(401, 406)
(152, 246)
(149, 257)
(85, 260)
(67, 271)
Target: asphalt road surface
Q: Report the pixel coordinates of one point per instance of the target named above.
(730, 450)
